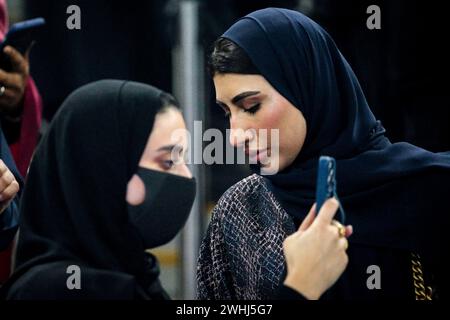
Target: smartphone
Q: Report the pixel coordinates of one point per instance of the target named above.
(20, 36)
(326, 183)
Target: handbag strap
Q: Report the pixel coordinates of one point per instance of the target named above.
(421, 291)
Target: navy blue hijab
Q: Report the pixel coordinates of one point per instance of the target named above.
(385, 188)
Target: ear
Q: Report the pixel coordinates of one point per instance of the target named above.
(135, 191)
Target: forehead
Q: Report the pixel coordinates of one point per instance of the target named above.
(165, 124)
(168, 128)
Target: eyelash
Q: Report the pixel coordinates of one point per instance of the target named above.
(251, 110)
(168, 164)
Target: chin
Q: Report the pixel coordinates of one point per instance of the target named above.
(270, 168)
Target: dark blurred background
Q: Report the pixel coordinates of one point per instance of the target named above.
(403, 68)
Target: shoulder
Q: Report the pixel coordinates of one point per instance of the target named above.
(249, 202)
(245, 192)
(434, 181)
(247, 186)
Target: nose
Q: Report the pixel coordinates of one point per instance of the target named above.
(185, 172)
(240, 134)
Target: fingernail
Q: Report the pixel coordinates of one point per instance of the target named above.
(350, 227)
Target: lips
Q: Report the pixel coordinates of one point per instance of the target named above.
(258, 155)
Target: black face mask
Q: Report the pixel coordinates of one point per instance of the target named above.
(166, 207)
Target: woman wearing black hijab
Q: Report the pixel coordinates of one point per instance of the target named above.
(277, 69)
(97, 153)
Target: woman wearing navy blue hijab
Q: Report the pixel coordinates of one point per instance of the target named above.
(278, 69)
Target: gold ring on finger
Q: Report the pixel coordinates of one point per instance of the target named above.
(341, 228)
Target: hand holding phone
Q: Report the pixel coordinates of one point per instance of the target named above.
(315, 258)
(14, 67)
(20, 36)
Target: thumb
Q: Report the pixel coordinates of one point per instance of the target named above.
(27, 53)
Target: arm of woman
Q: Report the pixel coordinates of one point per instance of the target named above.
(9, 211)
(315, 254)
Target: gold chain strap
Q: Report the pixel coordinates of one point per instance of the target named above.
(421, 291)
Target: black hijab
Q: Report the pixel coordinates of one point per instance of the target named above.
(73, 210)
(375, 178)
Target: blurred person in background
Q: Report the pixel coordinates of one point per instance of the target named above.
(20, 118)
(20, 102)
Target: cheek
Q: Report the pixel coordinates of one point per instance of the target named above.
(276, 116)
(272, 117)
(135, 191)
(283, 116)
(292, 137)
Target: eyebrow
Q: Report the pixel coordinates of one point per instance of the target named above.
(170, 147)
(239, 97)
(243, 95)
